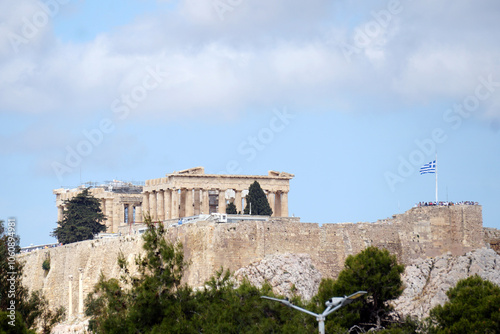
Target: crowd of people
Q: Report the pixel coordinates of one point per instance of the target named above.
(33, 248)
(446, 203)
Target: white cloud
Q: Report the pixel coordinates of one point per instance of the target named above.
(278, 52)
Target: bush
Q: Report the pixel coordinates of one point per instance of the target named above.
(46, 264)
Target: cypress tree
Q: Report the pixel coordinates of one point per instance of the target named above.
(258, 200)
(231, 209)
(82, 219)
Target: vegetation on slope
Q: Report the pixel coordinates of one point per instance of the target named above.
(20, 311)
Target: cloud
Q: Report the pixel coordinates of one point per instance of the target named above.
(278, 52)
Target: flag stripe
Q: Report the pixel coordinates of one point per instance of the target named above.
(429, 168)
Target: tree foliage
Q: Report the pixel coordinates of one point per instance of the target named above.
(257, 199)
(82, 219)
(154, 296)
(30, 309)
(231, 209)
(473, 307)
(373, 270)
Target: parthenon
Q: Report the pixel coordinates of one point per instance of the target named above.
(180, 194)
(192, 192)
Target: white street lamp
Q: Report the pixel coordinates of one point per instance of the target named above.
(332, 305)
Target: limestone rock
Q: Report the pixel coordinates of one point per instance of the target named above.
(75, 326)
(427, 280)
(282, 272)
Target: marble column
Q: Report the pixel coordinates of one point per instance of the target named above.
(205, 204)
(284, 204)
(277, 204)
(138, 214)
(130, 213)
(161, 205)
(119, 217)
(237, 201)
(189, 203)
(152, 205)
(80, 293)
(145, 204)
(270, 199)
(175, 203)
(182, 203)
(109, 215)
(60, 215)
(222, 201)
(197, 201)
(103, 206)
(168, 204)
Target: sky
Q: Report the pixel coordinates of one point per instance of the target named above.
(351, 97)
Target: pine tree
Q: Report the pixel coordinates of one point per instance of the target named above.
(82, 219)
(258, 200)
(473, 308)
(373, 270)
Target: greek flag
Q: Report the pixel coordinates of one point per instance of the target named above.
(429, 168)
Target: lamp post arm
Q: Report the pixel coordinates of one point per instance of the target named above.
(303, 310)
(287, 303)
(327, 311)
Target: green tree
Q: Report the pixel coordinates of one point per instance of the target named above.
(155, 296)
(373, 270)
(474, 307)
(231, 209)
(257, 199)
(82, 219)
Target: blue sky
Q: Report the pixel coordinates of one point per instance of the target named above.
(351, 98)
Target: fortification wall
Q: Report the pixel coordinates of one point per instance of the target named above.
(418, 233)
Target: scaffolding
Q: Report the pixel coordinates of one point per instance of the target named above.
(115, 186)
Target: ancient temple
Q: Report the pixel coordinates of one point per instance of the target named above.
(180, 194)
(192, 192)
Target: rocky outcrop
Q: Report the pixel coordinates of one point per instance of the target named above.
(288, 274)
(427, 280)
(76, 326)
(492, 238)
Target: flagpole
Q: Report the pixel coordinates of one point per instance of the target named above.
(436, 178)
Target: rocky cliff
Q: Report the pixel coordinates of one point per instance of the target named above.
(288, 274)
(427, 280)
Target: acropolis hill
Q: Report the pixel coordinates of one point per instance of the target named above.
(421, 232)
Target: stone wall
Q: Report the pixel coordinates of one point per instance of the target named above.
(418, 233)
